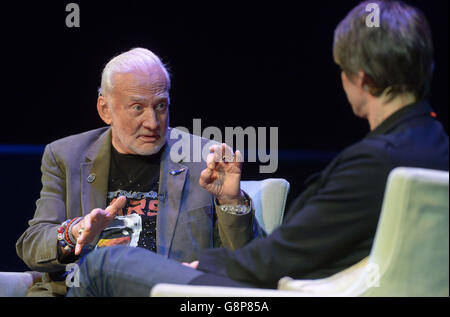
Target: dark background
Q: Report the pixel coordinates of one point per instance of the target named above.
(232, 64)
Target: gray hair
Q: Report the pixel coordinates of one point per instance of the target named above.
(137, 59)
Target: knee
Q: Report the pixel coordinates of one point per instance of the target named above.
(91, 270)
(97, 259)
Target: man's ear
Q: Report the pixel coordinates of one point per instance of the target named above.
(365, 82)
(104, 109)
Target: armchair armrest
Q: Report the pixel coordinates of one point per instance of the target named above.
(16, 284)
(175, 290)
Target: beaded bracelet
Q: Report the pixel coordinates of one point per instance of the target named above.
(65, 237)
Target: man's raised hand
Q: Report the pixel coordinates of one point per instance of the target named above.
(222, 175)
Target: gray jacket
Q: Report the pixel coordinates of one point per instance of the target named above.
(187, 221)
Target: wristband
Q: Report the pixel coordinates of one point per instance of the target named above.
(65, 237)
(69, 229)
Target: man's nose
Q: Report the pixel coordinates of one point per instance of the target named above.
(151, 120)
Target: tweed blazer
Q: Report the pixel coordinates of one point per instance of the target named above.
(75, 173)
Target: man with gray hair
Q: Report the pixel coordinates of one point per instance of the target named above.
(153, 202)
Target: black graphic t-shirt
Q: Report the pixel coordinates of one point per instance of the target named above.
(137, 178)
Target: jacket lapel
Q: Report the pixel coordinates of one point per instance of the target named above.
(172, 180)
(95, 174)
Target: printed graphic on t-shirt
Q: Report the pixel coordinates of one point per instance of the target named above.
(140, 203)
(135, 224)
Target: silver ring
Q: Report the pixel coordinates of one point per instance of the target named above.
(80, 232)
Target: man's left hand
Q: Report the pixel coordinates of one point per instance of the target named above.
(223, 174)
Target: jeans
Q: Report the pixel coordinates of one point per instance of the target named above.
(127, 271)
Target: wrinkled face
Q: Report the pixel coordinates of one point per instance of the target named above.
(355, 94)
(137, 109)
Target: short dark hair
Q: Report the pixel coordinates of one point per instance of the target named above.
(397, 55)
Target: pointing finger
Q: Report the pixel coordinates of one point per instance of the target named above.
(118, 204)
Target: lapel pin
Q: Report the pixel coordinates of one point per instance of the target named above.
(91, 178)
(176, 172)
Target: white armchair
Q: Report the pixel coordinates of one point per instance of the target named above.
(269, 198)
(409, 257)
(16, 284)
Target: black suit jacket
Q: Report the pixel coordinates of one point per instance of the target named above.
(331, 226)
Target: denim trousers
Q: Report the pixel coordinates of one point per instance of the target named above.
(127, 271)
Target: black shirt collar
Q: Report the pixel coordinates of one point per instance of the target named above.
(420, 108)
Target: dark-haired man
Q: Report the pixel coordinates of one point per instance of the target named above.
(386, 73)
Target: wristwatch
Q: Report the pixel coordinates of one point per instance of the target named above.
(236, 209)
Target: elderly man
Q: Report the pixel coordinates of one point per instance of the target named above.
(386, 73)
(154, 202)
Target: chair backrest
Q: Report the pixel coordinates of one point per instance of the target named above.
(269, 198)
(411, 249)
